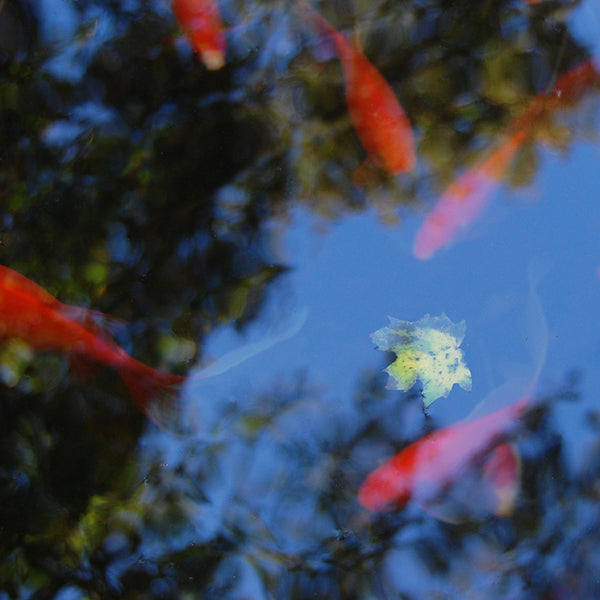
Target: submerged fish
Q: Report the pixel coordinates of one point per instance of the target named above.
(468, 195)
(468, 469)
(425, 470)
(201, 22)
(572, 84)
(29, 313)
(377, 116)
(462, 202)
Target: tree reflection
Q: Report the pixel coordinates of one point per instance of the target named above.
(135, 181)
(266, 506)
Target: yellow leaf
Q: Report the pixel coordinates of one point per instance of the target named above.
(428, 350)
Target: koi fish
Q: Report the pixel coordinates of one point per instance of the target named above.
(568, 89)
(466, 198)
(450, 469)
(31, 314)
(572, 85)
(462, 202)
(425, 470)
(376, 114)
(201, 22)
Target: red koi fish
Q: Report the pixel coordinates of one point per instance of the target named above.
(424, 471)
(466, 198)
(29, 313)
(201, 23)
(377, 116)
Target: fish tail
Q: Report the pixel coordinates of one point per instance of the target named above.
(155, 392)
(537, 326)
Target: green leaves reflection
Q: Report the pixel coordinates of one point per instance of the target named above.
(155, 191)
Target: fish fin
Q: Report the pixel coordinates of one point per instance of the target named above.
(523, 381)
(94, 321)
(448, 511)
(157, 394)
(462, 501)
(239, 355)
(482, 490)
(502, 471)
(501, 396)
(537, 326)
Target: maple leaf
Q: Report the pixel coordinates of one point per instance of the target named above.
(428, 350)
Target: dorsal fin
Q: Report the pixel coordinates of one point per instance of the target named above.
(94, 321)
(13, 279)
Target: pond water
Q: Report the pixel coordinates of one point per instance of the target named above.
(224, 212)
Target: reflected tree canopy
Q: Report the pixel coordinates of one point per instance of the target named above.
(136, 182)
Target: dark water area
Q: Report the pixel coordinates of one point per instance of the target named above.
(242, 235)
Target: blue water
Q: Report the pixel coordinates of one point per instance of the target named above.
(287, 409)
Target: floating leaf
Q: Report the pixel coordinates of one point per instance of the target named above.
(428, 350)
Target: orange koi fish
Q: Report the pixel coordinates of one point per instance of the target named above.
(572, 85)
(29, 313)
(425, 470)
(568, 89)
(201, 23)
(466, 198)
(377, 116)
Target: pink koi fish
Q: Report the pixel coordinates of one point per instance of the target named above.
(468, 468)
(467, 197)
(424, 471)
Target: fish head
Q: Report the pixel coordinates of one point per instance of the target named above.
(390, 486)
(384, 490)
